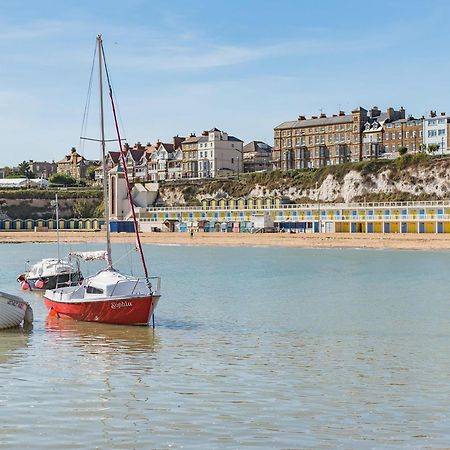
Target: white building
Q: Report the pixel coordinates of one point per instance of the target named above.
(435, 131)
(219, 154)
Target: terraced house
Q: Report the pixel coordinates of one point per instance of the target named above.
(322, 141)
(211, 154)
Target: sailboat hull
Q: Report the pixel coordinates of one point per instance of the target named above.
(120, 311)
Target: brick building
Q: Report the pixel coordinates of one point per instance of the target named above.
(322, 141)
(403, 133)
(73, 164)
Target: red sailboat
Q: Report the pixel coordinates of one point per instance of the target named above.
(109, 296)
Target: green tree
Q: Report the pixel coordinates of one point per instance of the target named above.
(60, 178)
(90, 171)
(433, 148)
(86, 208)
(23, 169)
(402, 150)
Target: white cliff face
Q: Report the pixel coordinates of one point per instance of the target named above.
(432, 180)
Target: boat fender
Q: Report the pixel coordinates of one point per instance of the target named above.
(28, 319)
(24, 285)
(52, 312)
(39, 284)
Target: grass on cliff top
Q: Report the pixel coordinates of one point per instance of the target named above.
(25, 193)
(305, 178)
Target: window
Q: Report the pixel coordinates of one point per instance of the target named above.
(441, 132)
(93, 290)
(393, 135)
(406, 134)
(399, 134)
(387, 136)
(232, 160)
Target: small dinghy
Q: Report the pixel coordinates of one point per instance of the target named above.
(14, 311)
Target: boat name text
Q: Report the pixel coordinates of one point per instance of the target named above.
(122, 304)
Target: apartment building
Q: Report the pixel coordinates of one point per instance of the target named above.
(374, 130)
(436, 132)
(211, 154)
(322, 141)
(318, 141)
(403, 133)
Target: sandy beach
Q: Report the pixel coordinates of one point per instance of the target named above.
(336, 240)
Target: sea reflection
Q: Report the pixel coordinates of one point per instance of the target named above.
(13, 343)
(102, 339)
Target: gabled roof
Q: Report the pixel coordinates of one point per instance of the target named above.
(136, 154)
(168, 147)
(114, 156)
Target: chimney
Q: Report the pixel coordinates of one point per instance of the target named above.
(301, 118)
(374, 112)
(313, 117)
(205, 133)
(192, 135)
(432, 113)
(342, 113)
(443, 113)
(323, 115)
(390, 113)
(335, 115)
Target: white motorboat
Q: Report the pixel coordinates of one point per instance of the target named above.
(50, 273)
(14, 311)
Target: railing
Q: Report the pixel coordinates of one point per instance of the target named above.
(138, 280)
(306, 206)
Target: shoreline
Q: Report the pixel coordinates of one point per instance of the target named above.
(325, 240)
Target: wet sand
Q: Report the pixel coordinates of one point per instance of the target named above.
(335, 240)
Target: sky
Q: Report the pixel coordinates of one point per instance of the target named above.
(184, 66)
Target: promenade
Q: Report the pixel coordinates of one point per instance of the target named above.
(300, 240)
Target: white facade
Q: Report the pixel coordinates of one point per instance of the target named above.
(435, 131)
(219, 154)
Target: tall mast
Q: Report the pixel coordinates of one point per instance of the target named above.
(103, 145)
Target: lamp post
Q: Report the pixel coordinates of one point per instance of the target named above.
(318, 205)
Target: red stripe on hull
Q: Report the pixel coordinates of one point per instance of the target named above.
(120, 311)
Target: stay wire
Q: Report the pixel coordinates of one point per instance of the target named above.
(113, 93)
(87, 105)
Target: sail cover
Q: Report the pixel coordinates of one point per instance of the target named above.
(90, 256)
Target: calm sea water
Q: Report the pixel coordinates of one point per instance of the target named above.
(254, 348)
